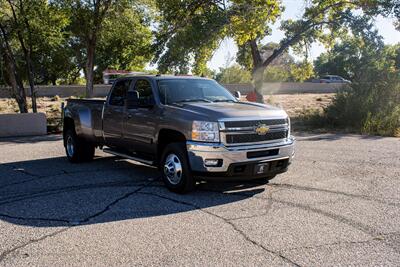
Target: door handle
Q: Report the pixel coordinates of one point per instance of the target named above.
(129, 116)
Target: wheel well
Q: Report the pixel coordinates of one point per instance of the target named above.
(167, 136)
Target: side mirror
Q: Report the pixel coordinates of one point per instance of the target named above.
(132, 99)
(238, 95)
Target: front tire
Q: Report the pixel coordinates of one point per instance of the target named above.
(77, 150)
(175, 169)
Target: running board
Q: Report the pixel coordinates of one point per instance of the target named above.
(115, 153)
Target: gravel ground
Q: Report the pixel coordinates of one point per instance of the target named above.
(339, 204)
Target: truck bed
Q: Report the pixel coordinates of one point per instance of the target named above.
(88, 114)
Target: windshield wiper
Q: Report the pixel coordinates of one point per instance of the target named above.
(225, 100)
(194, 100)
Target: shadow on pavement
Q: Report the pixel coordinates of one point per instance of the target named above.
(30, 139)
(52, 192)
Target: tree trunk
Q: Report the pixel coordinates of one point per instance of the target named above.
(91, 46)
(257, 76)
(31, 80)
(17, 87)
(27, 52)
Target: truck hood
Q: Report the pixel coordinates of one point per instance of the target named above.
(237, 110)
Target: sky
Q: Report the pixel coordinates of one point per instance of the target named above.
(225, 54)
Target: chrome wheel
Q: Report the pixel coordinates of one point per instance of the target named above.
(70, 146)
(173, 169)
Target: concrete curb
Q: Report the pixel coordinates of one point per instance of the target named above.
(25, 124)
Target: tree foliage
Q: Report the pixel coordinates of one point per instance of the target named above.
(55, 41)
(233, 74)
(30, 31)
(351, 57)
(189, 31)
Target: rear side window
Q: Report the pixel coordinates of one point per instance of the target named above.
(144, 89)
(118, 94)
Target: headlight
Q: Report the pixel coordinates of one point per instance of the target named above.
(205, 131)
(288, 122)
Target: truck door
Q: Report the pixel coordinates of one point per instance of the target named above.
(140, 121)
(113, 117)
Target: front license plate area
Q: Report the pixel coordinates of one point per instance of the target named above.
(261, 168)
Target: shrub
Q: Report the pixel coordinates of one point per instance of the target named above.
(371, 106)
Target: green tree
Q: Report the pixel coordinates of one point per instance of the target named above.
(123, 46)
(350, 58)
(87, 18)
(278, 70)
(108, 33)
(29, 29)
(12, 75)
(233, 74)
(189, 31)
(301, 71)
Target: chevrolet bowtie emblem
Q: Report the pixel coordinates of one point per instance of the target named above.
(262, 129)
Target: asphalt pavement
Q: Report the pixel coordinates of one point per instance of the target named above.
(339, 204)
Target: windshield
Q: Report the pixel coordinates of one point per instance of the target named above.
(192, 90)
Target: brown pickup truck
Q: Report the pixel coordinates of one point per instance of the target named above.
(192, 128)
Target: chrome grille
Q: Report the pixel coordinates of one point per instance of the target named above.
(253, 123)
(255, 138)
(244, 132)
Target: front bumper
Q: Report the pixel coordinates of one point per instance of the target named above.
(231, 156)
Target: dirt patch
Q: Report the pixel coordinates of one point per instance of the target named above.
(296, 104)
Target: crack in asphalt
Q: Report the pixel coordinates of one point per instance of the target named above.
(378, 238)
(235, 228)
(4, 254)
(350, 195)
(267, 209)
(354, 224)
(64, 172)
(21, 197)
(110, 205)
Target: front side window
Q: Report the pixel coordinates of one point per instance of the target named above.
(143, 87)
(118, 94)
(191, 90)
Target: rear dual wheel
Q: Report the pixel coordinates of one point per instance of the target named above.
(77, 149)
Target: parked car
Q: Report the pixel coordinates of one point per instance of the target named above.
(192, 128)
(331, 79)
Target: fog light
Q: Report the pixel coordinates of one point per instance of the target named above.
(213, 162)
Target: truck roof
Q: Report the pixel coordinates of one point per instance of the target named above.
(163, 77)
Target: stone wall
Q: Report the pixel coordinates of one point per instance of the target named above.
(25, 124)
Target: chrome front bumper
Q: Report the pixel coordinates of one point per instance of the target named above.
(198, 152)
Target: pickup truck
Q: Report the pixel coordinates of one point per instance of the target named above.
(191, 128)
